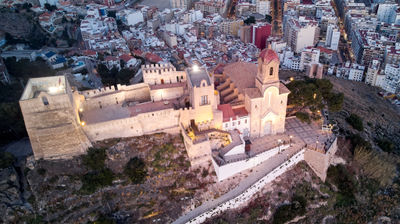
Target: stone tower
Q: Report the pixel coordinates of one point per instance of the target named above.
(268, 70)
(268, 100)
(51, 117)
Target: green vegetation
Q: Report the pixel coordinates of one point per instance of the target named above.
(95, 158)
(161, 158)
(26, 69)
(98, 175)
(386, 145)
(379, 166)
(340, 177)
(288, 212)
(96, 179)
(135, 169)
(303, 117)
(312, 93)
(6, 159)
(113, 76)
(41, 171)
(250, 20)
(355, 121)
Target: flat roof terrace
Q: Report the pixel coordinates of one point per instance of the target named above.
(117, 111)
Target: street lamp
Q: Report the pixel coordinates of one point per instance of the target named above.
(290, 140)
(316, 144)
(279, 145)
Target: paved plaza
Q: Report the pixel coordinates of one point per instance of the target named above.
(311, 134)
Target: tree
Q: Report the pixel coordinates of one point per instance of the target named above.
(268, 18)
(50, 7)
(335, 101)
(250, 20)
(111, 14)
(355, 121)
(95, 158)
(135, 169)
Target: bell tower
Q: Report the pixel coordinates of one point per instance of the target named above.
(268, 70)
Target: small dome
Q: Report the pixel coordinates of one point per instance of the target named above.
(268, 55)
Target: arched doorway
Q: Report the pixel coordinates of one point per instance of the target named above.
(267, 128)
(162, 81)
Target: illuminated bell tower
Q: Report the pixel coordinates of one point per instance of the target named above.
(268, 70)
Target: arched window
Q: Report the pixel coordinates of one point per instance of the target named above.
(271, 71)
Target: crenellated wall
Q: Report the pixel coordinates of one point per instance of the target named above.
(156, 74)
(135, 126)
(95, 99)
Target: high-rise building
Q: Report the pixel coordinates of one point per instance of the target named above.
(261, 32)
(387, 12)
(301, 33)
(373, 77)
(332, 37)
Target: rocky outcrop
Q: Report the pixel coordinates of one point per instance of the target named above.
(12, 201)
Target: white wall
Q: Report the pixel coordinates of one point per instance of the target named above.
(251, 191)
(231, 169)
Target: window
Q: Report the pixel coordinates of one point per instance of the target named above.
(204, 100)
(45, 101)
(238, 122)
(271, 71)
(226, 125)
(233, 123)
(245, 121)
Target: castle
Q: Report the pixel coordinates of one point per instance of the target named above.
(228, 124)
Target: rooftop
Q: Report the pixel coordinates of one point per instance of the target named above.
(54, 85)
(197, 75)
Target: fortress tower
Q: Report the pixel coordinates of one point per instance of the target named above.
(51, 115)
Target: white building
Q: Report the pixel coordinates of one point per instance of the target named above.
(309, 56)
(183, 4)
(332, 37)
(130, 17)
(301, 33)
(235, 119)
(392, 78)
(373, 76)
(351, 72)
(263, 7)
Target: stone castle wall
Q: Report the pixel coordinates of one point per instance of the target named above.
(320, 162)
(53, 129)
(162, 74)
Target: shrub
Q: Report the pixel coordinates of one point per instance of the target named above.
(386, 145)
(355, 121)
(94, 159)
(204, 173)
(303, 117)
(135, 169)
(41, 171)
(379, 166)
(289, 211)
(6, 159)
(339, 176)
(96, 179)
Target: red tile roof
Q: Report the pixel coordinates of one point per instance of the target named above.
(125, 57)
(268, 55)
(227, 112)
(240, 112)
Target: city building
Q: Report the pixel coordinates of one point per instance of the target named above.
(261, 32)
(182, 4)
(332, 37)
(387, 12)
(309, 55)
(392, 78)
(263, 7)
(301, 33)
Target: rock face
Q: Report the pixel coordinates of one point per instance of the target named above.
(12, 202)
